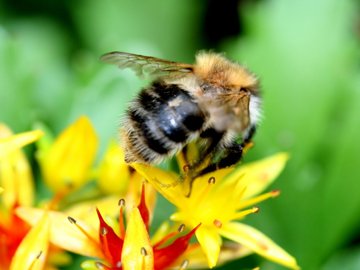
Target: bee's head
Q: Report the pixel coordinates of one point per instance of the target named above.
(238, 87)
(216, 70)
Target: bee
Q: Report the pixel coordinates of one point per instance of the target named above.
(214, 100)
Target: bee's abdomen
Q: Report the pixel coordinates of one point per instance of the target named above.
(159, 121)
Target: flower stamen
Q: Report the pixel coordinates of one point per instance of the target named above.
(32, 265)
(203, 194)
(260, 198)
(186, 168)
(167, 255)
(217, 223)
(111, 243)
(143, 251)
(103, 231)
(168, 236)
(181, 228)
(121, 203)
(82, 230)
(101, 266)
(39, 255)
(184, 265)
(241, 214)
(121, 218)
(57, 198)
(212, 180)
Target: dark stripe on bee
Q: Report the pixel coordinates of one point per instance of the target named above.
(171, 125)
(179, 115)
(149, 101)
(168, 92)
(165, 115)
(194, 122)
(148, 128)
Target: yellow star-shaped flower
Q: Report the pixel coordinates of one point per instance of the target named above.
(218, 203)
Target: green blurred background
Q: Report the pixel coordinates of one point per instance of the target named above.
(306, 54)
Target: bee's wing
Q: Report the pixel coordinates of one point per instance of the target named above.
(147, 65)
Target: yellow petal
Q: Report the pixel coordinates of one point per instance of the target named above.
(137, 253)
(197, 260)
(166, 183)
(68, 162)
(10, 143)
(85, 211)
(32, 251)
(65, 234)
(257, 176)
(15, 172)
(210, 243)
(114, 174)
(134, 192)
(258, 242)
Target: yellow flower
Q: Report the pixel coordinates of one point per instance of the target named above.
(15, 171)
(217, 204)
(114, 173)
(17, 182)
(9, 142)
(12, 232)
(117, 246)
(32, 251)
(66, 164)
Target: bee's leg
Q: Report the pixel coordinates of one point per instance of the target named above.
(214, 137)
(249, 135)
(232, 154)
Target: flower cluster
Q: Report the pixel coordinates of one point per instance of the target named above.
(104, 211)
